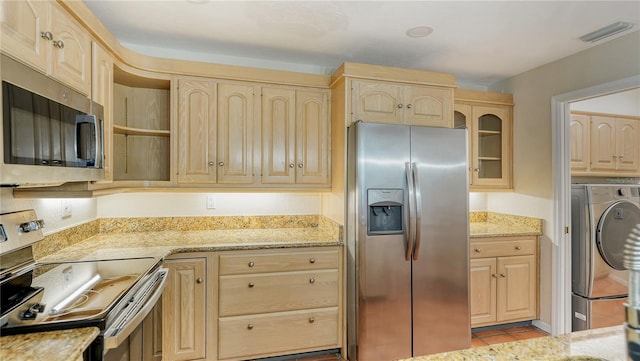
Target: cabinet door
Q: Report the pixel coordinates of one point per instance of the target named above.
(491, 152)
(102, 93)
(516, 288)
(184, 317)
(145, 342)
(71, 55)
(197, 131)
(377, 102)
(482, 283)
(312, 137)
(462, 118)
(603, 143)
(627, 144)
(235, 133)
(428, 106)
(278, 135)
(579, 144)
(23, 23)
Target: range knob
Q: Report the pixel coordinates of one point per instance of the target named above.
(31, 226)
(622, 192)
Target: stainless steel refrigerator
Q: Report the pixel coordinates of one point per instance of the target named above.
(407, 241)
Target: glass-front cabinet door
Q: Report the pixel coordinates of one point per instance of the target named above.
(491, 146)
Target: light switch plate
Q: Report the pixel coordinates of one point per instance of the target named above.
(66, 208)
(211, 201)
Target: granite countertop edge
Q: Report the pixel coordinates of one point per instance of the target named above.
(62, 345)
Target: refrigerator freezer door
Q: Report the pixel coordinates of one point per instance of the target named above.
(384, 275)
(441, 320)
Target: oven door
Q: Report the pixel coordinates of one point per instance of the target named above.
(133, 309)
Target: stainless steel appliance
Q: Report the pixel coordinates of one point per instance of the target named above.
(407, 241)
(602, 216)
(51, 134)
(631, 261)
(114, 295)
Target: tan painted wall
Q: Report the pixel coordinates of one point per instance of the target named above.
(532, 92)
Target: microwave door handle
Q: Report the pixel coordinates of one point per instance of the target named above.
(99, 154)
(410, 222)
(418, 210)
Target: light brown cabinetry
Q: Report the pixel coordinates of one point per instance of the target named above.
(295, 136)
(102, 93)
(216, 125)
(185, 317)
(279, 302)
(503, 280)
(397, 103)
(43, 35)
(488, 116)
(604, 144)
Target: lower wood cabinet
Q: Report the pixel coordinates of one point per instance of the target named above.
(279, 302)
(503, 280)
(185, 315)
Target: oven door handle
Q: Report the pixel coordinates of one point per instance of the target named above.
(127, 322)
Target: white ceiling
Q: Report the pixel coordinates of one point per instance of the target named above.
(481, 42)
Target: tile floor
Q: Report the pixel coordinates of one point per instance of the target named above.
(495, 336)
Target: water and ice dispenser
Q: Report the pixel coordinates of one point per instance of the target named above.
(385, 211)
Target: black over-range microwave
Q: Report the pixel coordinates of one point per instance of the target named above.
(50, 133)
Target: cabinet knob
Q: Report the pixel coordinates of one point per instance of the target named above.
(251, 284)
(312, 260)
(312, 320)
(477, 250)
(409, 106)
(300, 165)
(212, 163)
(494, 275)
(250, 326)
(251, 264)
(518, 248)
(58, 44)
(476, 169)
(620, 156)
(312, 280)
(400, 106)
(221, 164)
(199, 280)
(46, 35)
(503, 275)
(291, 165)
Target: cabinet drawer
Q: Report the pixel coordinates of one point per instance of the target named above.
(280, 261)
(498, 248)
(270, 334)
(274, 292)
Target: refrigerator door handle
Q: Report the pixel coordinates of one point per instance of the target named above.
(411, 221)
(418, 210)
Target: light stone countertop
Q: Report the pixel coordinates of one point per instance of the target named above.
(599, 344)
(491, 224)
(64, 345)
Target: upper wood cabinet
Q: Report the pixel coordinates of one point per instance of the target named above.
(43, 35)
(489, 120)
(102, 93)
(295, 136)
(604, 144)
(216, 125)
(397, 103)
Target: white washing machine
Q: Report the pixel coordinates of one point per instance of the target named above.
(602, 216)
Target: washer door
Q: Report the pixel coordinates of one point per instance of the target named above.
(614, 227)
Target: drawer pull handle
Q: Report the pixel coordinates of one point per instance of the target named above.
(503, 275)
(312, 320)
(199, 280)
(518, 248)
(477, 250)
(251, 284)
(312, 260)
(251, 264)
(312, 280)
(250, 326)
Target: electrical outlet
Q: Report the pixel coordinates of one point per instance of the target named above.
(67, 277)
(66, 208)
(211, 201)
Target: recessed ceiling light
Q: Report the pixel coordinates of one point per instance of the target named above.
(607, 31)
(419, 31)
